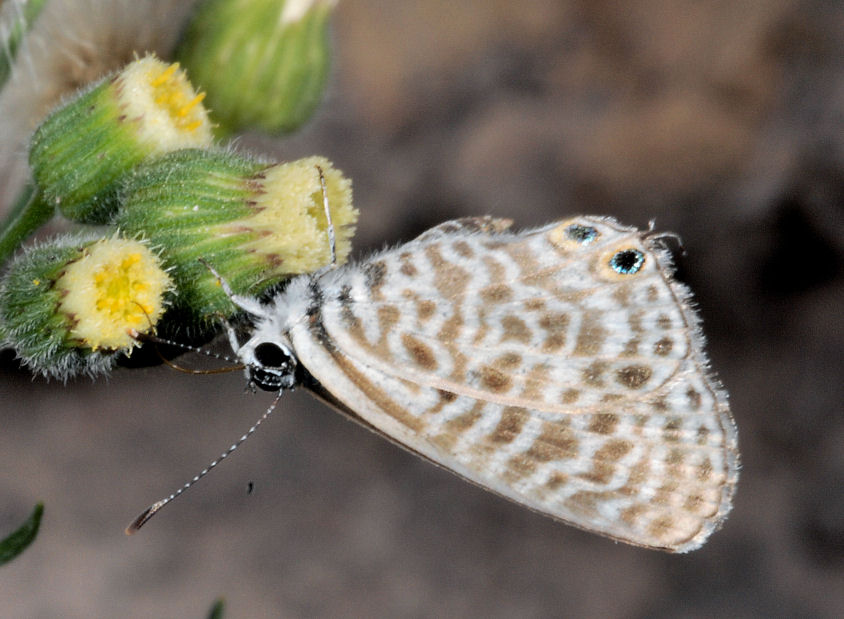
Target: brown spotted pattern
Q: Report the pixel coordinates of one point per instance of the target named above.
(524, 363)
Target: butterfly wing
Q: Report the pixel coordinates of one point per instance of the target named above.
(560, 367)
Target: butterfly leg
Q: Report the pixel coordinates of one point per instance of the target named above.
(253, 306)
(231, 334)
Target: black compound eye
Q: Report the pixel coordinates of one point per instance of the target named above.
(274, 367)
(270, 355)
(627, 261)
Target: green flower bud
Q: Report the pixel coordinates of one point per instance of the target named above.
(81, 149)
(255, 223)
(68, 306)
(263, 63)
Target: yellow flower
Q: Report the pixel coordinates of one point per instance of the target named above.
(255, 223)
(70, 45)
(164, 106)
(114, 289)
(67, 307)
(81, 150)
(288, 222)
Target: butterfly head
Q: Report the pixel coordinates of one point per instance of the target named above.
(270, 365)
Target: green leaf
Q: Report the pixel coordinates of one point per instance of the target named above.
(17, 542)
(217, 609)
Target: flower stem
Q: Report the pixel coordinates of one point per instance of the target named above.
(29, 213)
(14, 32)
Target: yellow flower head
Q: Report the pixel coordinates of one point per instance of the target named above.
(81, 151)
(116, 287)
(256, 223)
(166, 106)
(289, 225)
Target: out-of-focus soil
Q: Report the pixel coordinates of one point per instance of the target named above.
(720, 120)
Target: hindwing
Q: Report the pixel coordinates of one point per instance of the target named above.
(561, 367)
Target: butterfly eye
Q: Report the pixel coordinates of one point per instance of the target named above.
(270, 355)
(627, 261)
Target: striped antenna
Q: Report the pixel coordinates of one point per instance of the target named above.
(153, 509)
(332, 243)
(154, 339)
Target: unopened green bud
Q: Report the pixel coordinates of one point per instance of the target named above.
(263, 63)
(68, 306)
(254, 223)
(78, 153)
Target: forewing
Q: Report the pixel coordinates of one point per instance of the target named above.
(533, 319)
(529, 364)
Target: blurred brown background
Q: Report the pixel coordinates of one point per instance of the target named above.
(721, 120)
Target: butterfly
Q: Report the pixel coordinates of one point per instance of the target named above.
(560, 367)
